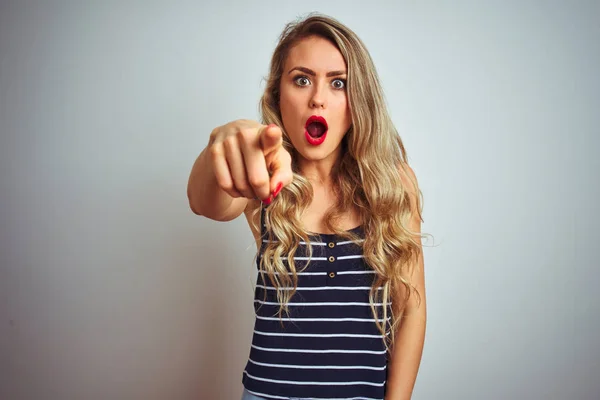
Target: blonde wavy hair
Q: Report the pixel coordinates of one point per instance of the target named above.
(366, 177)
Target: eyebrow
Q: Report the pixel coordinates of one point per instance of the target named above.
(311, 72)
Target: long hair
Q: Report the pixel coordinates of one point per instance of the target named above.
(367, 177)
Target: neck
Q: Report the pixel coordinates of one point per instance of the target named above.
(318, 172)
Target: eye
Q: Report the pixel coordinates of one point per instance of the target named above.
(339, 84)
(301, 80)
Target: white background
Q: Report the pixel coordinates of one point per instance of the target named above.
(110, 288)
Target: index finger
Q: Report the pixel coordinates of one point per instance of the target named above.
(271, 139)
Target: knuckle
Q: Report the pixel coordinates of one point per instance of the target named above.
(225, 185)
(215, 151)
(230, 142)
(246, 134)
(257, 181)
(216, 135)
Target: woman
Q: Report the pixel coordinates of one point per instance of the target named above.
(335, 210)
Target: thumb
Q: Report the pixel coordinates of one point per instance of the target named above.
(281, 171)
(270, 139)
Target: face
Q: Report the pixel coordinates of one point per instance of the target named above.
(313, 99)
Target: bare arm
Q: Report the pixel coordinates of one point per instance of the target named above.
(244, 160)
(410, 336)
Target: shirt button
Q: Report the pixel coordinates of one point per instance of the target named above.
(332, 274)
(331, 258)
(331, 245)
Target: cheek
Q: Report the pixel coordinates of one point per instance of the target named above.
(342, 108)
(287, 118)
(284, 107)
(288, 105)
(284, 100)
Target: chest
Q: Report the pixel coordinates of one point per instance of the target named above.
(315, 215)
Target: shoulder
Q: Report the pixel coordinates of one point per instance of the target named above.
(408, 178)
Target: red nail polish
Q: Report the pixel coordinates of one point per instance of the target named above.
(277, 189)
(267, 201)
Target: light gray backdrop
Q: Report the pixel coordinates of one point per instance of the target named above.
(110, 288)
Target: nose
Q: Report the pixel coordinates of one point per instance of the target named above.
(317, 100)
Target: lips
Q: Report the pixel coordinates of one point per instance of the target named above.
(315, 130)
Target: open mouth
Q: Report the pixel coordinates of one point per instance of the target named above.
(316, 129)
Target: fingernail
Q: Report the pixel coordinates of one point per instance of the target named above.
(271, 125)
(267, 201)
(277, 189)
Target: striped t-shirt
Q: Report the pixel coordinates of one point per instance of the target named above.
(329, 346)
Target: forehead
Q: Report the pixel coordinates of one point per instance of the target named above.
(315, 53)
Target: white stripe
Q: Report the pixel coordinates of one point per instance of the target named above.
(319, 351)
(349, 257)
(271, 396)
(317, 243)
(322, 288)
(303, 258)
(323, 258)
(317, 366)
(349, 241)
(354, 272)
(315, 383)
(325, 273)
(301, 242)
(321, 335)
(323, 319)
(273, 303)
(297, 273)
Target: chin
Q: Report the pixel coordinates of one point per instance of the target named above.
(312, 156)
(315, 154)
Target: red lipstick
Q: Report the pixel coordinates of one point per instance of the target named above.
(315, 130)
